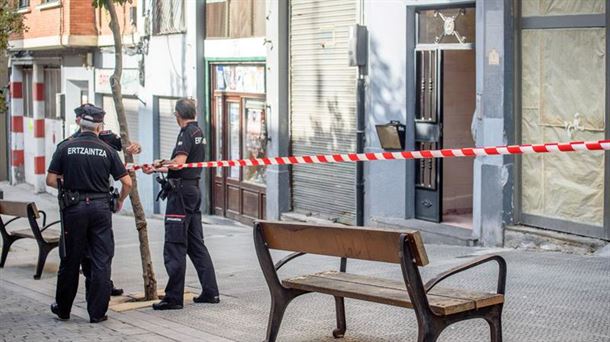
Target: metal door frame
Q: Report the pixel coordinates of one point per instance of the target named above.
(411, 67)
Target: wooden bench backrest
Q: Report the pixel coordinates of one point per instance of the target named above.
(18, 209)
(374, 244)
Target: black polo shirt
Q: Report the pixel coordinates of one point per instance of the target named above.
(86, 163)
(190, 143)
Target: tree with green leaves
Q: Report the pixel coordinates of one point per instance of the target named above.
(150, 283)
(11, 22)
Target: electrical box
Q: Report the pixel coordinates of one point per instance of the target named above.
(358, 45)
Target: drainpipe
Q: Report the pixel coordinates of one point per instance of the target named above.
(202, 118)
(360, 147)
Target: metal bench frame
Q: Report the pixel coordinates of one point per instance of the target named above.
(430, 325)
(26, 210)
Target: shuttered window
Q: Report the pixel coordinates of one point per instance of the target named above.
(168, 128)
(322, 106)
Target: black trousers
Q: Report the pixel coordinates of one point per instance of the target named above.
(184, 236)
(87, 227)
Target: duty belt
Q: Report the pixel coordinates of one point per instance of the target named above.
(183, 182)
(91, 196)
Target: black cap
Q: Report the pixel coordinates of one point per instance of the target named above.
(90, 112)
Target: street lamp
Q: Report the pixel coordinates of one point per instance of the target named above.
(392, 136)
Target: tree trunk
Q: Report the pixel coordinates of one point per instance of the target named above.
(150, 283)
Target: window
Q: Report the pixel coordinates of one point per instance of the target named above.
(52, 86)
(235, 18)
(24, 3)
(28, 95)
(563, 98)
(168, 17)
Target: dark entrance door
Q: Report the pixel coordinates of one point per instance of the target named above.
(440, 33)
(239, 133)
(428, 134)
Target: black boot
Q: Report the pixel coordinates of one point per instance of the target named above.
(206, 299)
(55, 310)
(163, 305)
(115, 291)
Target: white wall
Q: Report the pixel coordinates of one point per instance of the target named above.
(386, 100)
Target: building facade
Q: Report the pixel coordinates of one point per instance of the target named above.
(272, 78)
(457, 74)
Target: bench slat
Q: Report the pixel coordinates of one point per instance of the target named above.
(385, 291)
(365, 243)
(18, 209)
(49, 235)
(481, 298)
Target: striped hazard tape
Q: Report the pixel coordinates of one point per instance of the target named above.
(404, 155)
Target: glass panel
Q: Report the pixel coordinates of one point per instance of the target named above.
(563, 99)
(216, 19)
(426, 91)
(255, 141)
(453, 25)
(240, 78)
(240, 19)
(234, 137)
(168, 17)
(561, 7)
(28, 101)
(219, 127)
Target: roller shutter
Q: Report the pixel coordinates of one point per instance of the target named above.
(322, 106)
(131, 106)
(168, 128)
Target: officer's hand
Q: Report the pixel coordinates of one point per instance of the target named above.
(119, 205)
(147, 169)
(173, 166)
(134, 148)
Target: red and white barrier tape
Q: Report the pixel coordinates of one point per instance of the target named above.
(425, 154)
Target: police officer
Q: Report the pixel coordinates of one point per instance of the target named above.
(115, 142)
(183, 229)
(85, 164)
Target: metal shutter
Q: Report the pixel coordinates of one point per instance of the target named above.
(168, 128)
(322, 106)
(131, 114)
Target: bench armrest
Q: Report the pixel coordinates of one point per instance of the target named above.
(478, 261)
(12, 220)
(286, 259)
(44, 217)
(50, 224)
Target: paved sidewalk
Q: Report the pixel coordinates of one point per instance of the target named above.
(550, 296)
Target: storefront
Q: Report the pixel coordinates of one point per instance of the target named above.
(563, 96)
(239, 131)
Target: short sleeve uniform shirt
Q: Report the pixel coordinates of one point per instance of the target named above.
(190, 143)
(86, 163)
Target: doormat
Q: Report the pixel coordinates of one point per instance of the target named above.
(135, 301)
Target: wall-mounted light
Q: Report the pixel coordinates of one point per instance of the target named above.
(392, 136)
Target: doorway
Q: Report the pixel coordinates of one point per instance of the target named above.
(239, 132)
(445, 98)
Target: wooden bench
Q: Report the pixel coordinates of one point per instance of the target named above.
(47, 239)
(435, 307)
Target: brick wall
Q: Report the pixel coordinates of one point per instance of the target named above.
(73, 17)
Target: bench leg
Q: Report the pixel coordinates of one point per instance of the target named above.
(43, 251)
(495, 324)
(341, 325)
(278, 307)
(6, 245)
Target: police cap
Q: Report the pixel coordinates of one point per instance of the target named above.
(90, 112)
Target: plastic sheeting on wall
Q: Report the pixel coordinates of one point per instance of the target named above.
(562, 7)
(563, 74)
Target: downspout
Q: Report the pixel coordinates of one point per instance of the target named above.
(360, 129)
(202, 118)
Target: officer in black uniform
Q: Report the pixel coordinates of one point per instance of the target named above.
(115, 142)
(183, 229)
(85, 164)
